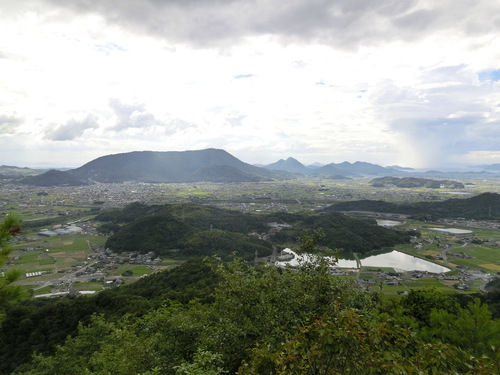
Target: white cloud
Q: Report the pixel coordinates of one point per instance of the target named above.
(71, 129)
(321, 80)
(9, 124)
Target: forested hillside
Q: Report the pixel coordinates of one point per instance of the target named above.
(481, 207)
(252, 320)
(413, 182)
(184, 230)
(194, 230)
(38, 325)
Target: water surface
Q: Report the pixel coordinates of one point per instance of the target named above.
(393, 259)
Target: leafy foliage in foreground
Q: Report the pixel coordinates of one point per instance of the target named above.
(266, 320)
(40, 325)
(9, 227)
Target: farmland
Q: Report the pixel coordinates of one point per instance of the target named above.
(59, 259)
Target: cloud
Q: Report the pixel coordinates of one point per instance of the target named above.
(341, 23)
(72, 129)
(236, 119)
(131, 115)
(448, 116)
(8, 124)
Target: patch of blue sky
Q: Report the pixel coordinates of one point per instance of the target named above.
(108, 48)
(240, 76)
(489, 75)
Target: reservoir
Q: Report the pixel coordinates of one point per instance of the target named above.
(394, 259)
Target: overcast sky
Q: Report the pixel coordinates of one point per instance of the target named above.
(407, 82)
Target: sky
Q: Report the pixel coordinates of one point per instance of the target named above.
(414, 83)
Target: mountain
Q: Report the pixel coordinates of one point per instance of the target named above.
(490, 167)
(332, 170)
(150, 166)
(288, 165)
(354, 169)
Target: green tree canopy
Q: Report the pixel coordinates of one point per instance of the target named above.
(8, 293)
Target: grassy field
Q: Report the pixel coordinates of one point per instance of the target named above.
(55, 253)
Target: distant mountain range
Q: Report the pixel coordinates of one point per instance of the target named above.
(344, 169)
(211, 165)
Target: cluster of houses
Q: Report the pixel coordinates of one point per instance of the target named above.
(108, 256)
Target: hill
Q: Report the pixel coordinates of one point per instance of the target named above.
(213, 318)
(357, 168)
(485, 206)
(8, 172)
(412, 182)
(184, 230)
(195, 230)
(158, 167)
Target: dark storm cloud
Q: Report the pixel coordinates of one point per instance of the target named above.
(131, 115)
(450, 118)
(72, 129)
(341, 23)
(8, 124)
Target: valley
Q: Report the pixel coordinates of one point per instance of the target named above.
(69, 263)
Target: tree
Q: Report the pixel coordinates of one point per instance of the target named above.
(257, 308)
(8, 293)
(349, 341)
(420, 302)
(471, 328)
(204, 363)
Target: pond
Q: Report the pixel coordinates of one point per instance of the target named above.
(393, 259)
(452, 230)
(388, 223)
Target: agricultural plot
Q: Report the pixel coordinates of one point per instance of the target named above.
(482, 257)
(58, 252)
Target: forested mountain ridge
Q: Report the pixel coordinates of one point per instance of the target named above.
(192, 229)
(485, 206)
(185, 230)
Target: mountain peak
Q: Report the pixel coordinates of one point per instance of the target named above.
(162, 167)
(288, 165)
